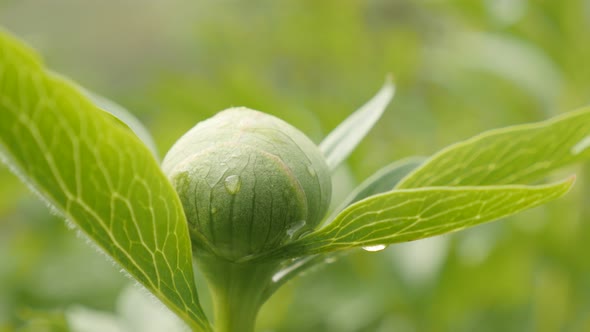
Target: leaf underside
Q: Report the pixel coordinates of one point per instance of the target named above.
(407, 215)
(98, 175)
(478, 173)
(459, 183)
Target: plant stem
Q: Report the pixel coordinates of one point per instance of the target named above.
(238, 291)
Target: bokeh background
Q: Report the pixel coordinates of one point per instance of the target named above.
(461, 67)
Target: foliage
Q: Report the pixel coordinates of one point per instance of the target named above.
(514, 104)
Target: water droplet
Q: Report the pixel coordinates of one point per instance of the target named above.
(311, 171)
(378, 247)
(233, 184)
(295, 228)
(213, 210)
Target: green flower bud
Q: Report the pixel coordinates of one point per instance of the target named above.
(248, 182)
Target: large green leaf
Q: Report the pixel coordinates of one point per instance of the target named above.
(94, 171)
(126, 117)
(511, 155)
(338, 145)
(407, 215)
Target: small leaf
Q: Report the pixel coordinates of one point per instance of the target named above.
(511, 155)
(381, 181)
(407, 215)
(338, 145)
(95, 172)
(384, 179)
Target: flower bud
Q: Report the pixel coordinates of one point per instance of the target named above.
(248, 182)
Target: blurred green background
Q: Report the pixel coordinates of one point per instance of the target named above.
(460, 66)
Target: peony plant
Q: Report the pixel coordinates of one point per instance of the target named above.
(246, 196)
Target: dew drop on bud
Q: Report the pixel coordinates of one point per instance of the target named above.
(232, 184)
(375, 248)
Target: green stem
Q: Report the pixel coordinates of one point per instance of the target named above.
(238, 291)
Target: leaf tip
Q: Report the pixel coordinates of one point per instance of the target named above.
(389, 79)
(570, 181)
(566, 185)
(389, 86)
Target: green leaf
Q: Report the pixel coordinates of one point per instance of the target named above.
(94, 171)
(381, 181)
(126, 117)
(338, 145)
(511, 155)
(384, 179)
(407, 215)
